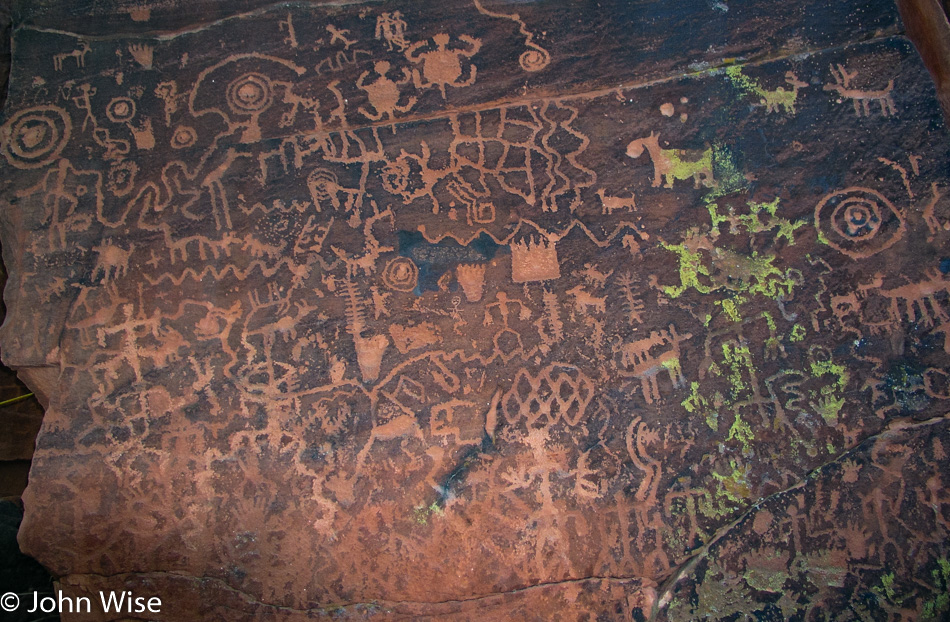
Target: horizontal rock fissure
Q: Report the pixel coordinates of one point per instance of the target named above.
(676, 574)
(711, 69)
(361, 603)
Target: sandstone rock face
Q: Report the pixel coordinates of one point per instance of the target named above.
(482, 310)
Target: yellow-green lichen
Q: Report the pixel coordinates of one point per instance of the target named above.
(686, 169)
(769, 280)
(771, 99)
(707, 267)
(695, 403)
(820, 368)
(886, 588)
(730, 306)
(752, 221)
(713, 506)
(421, 513)
(671, 364)
(742, 81)
(690, 268)
(798, 333)
(735, 486)
(741, 432)
(773, 345)
(739, 360)
(766, 580)
(938, 606)
(829, 406)
(822, 568)
(729, 179)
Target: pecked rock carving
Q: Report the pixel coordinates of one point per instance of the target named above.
(379, 312)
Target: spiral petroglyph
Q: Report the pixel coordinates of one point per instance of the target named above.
(401, 274)
(535, 59)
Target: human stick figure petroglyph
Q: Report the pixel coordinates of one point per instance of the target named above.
(83, 101)
(391, 28)
(670, 165)
(287, 25)
(129, 332)
(72, 197)
(168, 93)
(861, 99)
(507, 341)
(340, 34)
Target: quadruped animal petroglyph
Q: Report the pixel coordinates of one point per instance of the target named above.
(334, 294)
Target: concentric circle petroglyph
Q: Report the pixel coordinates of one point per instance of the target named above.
(859, 222)
(121, 110)
(121, 178)
(36, 136)
(184, 137)
(323, 185)
(250, 94)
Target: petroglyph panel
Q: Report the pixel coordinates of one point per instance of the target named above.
(341, 316)
(852, 536)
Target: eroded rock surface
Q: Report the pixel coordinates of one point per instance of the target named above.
(477, 310)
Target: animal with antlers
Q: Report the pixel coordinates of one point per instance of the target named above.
(844, 86)
(772, 100)
(781, 97)
(79, 54)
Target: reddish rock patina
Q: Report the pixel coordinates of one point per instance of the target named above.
(482, 310)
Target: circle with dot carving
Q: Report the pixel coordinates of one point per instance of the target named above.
(858, 222)
(34, 137)
(120, 110)
(183, 137)
(250, 94)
